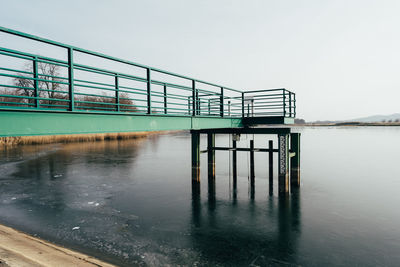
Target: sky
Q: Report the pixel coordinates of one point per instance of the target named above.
(340, 57)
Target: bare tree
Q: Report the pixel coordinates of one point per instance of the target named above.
(48, 84)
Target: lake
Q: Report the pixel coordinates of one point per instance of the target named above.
(131, 202)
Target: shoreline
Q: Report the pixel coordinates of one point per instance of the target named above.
(20, 249)
(73, 138)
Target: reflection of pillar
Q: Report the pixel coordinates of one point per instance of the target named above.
(196, 204)
(234, 167)
(295, 160)
(195, 156)
(283, 163)
(211, 195)
(211, 170)
(252, 174)
(211, 155)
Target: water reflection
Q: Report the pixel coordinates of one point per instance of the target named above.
(245, 232)
(55, 178)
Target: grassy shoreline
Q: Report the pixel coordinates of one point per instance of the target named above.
(71, 138)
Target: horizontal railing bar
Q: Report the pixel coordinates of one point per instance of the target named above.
(16, 103)
(18, 87)
(102, 96)
(29, 56)
(264, 90)
(94, 108)
(53, 105)
(132, 89)
(52, 62)
(94, 87)
(15, 56)
(82, 67)
(30, 78)
(86, 81)
(264, 96)
(31, 97)
(15, 70)
(93, 102)
(50, 90)
(266, 105)
(52, 76)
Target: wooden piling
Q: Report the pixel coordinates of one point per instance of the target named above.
(283, 166)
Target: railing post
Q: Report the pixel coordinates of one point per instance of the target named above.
(71, 79)
(229, 108)
(209, 107)
(36, 82)
(165, 98)
(197, 103)
(221, 105)
(148, 71)
(284, 103)
(194, 96)
(117, 93)
(290, 104)
(243, 104)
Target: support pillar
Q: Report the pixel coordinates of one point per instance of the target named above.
(271, 167)
(211, 155)
(195, 156)
(295, 160)
(283, 166)
(234, 167)
(252, 173)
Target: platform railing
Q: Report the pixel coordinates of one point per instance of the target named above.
(269, 102)
(34, 82)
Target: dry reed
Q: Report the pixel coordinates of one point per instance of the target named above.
(46, 139)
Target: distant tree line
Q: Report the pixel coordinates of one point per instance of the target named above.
(396, 120)
(299, 121)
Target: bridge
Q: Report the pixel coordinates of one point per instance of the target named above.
(75, 91)
(51, 88)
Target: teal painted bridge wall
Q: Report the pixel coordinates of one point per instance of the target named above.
(19, 123)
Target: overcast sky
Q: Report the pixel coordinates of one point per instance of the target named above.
(341, 57)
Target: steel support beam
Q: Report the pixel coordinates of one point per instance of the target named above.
(283, 186)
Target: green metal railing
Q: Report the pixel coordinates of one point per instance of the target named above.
(53, 84)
